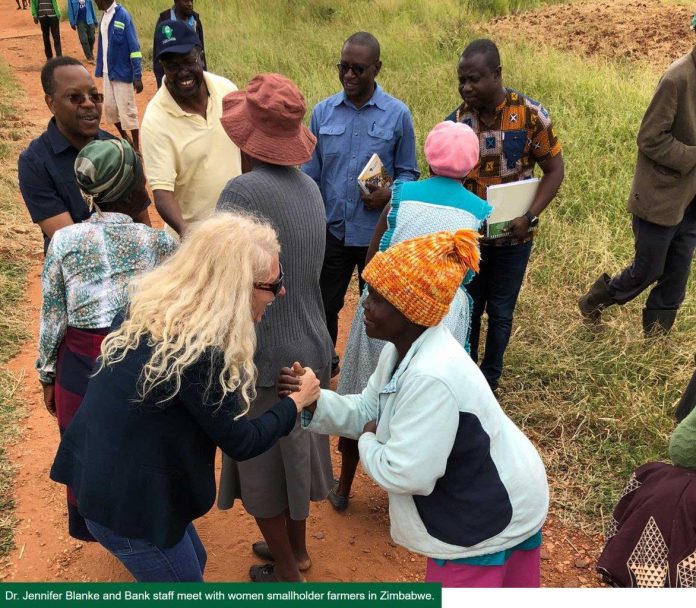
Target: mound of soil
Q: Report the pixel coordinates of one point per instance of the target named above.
(650, 31)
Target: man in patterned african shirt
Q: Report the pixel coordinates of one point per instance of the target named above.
(515, 134)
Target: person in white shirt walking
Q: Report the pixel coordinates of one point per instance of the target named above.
(119, 62)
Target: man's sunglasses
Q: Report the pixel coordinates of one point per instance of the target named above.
(274, 287)
(77, 99)
(356, 68)
(178, 65)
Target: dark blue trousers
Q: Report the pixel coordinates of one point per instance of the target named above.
(494, 291)
(339, 263)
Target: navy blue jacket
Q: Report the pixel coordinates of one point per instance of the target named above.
(124, 56)
(145, 469)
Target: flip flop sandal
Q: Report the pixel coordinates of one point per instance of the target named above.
(260, 549)
(265, 574)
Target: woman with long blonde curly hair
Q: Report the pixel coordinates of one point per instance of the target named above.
(176, 378)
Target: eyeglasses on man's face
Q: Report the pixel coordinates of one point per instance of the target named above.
(77, 99)
(275, 287)
(182, 64)
(357, 68)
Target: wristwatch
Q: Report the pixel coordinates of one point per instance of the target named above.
(533, 219)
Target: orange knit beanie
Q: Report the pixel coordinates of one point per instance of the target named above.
(420, 276)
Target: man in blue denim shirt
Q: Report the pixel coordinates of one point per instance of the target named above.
(350, 127)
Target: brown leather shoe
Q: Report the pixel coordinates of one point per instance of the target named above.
(596, 300)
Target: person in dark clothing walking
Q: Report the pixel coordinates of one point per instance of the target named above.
(47, 14)
(662, 204)
(181, 11)
(83, 19)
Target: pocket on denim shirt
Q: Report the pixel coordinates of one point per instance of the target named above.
(381, 142)
(381, 132)
(514, 143)
(331, 141)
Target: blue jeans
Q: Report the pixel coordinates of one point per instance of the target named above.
(184, 562)
(494, 290)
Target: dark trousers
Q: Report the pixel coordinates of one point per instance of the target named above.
(339, 263)
(494, 290)
(85, 33)
(663, 255)
(50, 27)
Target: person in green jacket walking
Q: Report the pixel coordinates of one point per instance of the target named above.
(47, 14)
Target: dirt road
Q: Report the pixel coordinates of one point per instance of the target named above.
(344, 547)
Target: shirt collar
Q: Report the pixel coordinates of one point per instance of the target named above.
(109, 217)
(390, 387)
(498, 109)
(378, 99)
(169, 103)
(58, 141)
(111, 9)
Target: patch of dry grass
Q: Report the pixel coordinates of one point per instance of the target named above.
(15, 248)
(598, 404)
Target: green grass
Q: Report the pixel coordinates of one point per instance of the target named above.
(597, 405)
(13, 268)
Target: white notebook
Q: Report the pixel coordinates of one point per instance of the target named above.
(509, 201)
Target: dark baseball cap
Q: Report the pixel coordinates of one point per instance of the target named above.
(173, 36)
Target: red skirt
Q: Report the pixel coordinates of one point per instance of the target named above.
(77, 357)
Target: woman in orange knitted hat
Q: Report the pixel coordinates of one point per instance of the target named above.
(466, 488)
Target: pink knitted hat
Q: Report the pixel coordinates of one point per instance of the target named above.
(452, 149)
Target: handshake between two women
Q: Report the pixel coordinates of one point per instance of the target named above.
(301, 385)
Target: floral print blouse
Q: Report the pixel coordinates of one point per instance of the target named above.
(86, 274)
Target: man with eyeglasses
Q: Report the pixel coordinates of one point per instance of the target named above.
(181, 11)
(188, 157)
(46, 167)
(350, 127)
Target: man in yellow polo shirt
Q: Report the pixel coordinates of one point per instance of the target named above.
(188, 156)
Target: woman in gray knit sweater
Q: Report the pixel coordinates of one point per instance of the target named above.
(265, 122)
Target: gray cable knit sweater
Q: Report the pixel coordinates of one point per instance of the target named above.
(294, 327)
